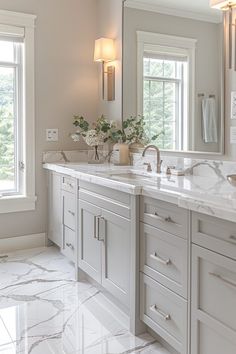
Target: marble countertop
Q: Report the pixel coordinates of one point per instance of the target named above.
(211, 195)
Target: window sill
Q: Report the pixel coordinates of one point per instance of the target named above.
(13, 204)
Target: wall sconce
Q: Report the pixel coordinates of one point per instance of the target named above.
(227, 6)
(104, 52)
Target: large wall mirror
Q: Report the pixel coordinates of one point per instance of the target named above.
(173, 60)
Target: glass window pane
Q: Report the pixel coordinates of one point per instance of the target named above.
(153, 67)
(7, 129)
(6, 51)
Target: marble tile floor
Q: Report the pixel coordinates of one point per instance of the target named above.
(44, 311)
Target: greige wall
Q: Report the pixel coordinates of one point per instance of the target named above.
(208, 52)
(66, 83)
(110, 25)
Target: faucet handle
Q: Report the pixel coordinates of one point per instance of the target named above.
(149, 167)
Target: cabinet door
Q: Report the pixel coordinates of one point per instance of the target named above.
(89, 246)
(213, 303)
(55, 209)
(114, 231)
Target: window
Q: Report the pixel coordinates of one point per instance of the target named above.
(17, 176)
(165, 88)
(11, 116)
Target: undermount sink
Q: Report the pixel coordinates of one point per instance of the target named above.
(132, 175)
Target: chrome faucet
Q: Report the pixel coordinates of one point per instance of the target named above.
(158, 156)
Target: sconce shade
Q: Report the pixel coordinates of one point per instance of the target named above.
(222, 4)
(104, 50)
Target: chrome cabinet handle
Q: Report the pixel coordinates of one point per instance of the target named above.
(71, 212)
(161, 218)
(95, 228)
(160, 260)
(70, 246)
(224, 280)
(101, 219)
(160, 313)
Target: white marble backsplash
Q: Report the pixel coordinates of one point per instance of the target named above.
(196, 167)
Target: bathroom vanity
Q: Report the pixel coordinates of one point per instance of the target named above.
(156, 245)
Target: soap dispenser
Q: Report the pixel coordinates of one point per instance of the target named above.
(123, 154)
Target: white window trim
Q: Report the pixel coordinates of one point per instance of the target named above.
(146, 41)
(27, 200)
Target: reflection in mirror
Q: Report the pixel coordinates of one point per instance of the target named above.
(173, 76)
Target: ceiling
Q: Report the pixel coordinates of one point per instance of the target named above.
(200, 7)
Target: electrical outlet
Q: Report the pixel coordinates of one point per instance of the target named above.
(52, 134)
(233, 135)
(233, 105)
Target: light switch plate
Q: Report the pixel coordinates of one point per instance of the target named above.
(233, 135)
(52, 134)
(233, 105)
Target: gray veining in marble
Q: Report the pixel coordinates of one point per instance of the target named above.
(44, 311)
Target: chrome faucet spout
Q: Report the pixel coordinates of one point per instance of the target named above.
(158, 170)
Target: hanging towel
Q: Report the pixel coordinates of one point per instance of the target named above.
(209, 120)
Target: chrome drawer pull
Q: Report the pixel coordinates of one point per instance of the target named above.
(167, 219)
(233, 238)
(160, 260)
(163, 315)
(226, 281)
(161, 218)
(66, 184)
(71, 212)
(70, 246)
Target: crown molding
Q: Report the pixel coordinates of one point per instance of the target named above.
(146, 6)
(17, 18)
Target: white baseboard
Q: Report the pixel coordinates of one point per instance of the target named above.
(22, 242)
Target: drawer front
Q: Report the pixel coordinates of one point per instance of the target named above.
(165, 216)
(215, 234)
(165, 312)
(69, 243)
(216, 287)
(68, 184)
(106, 202)
(69, 209)
(163, 257)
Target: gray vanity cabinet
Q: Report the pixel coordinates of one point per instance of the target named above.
(54, 208)
(104, 240)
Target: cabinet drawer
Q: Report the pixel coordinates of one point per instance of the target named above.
(215, 234)
(69, 243)
(68, 184)
(215, 286)
(165, 312)
(109, 200)
(165, 216)
(69, 209)
(163, 257)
